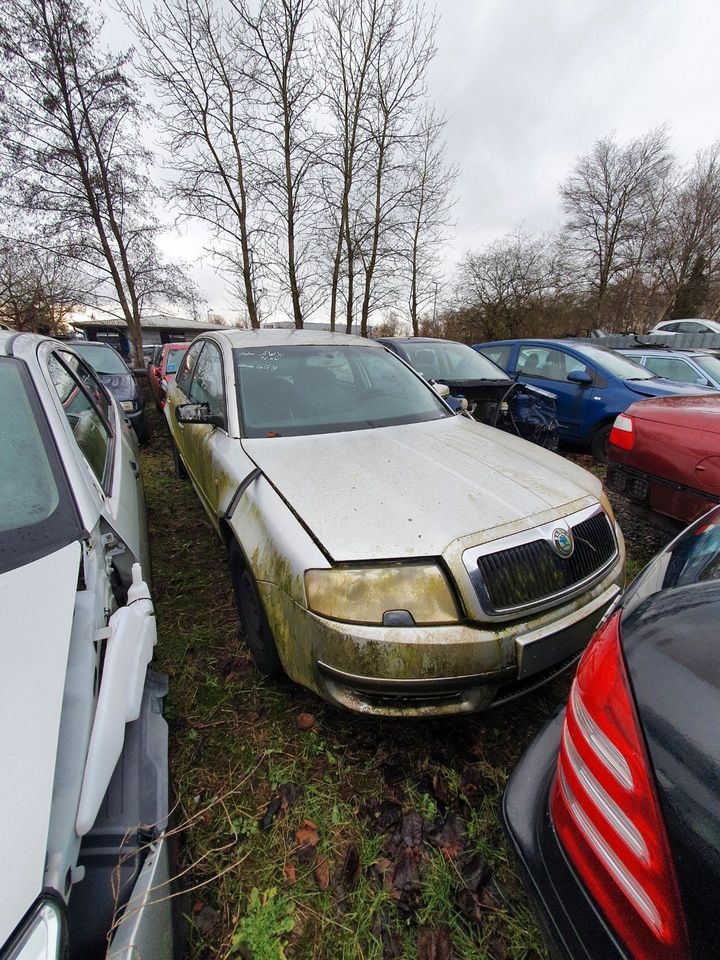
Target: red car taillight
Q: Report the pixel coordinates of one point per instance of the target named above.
(623, 432)
(605, 808)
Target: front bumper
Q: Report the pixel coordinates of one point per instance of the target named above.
(432, 671)
(572, 924)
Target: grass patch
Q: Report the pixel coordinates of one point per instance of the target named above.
(238, 753)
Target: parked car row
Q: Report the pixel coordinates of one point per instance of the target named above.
(479, 386)
(592, 384)
(83, 752)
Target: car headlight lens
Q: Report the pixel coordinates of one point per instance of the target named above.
(127, 405)
(367, 594)
(41, 939)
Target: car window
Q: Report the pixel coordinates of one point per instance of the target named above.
(299, 390)
(207, 384)
(690, 326)
(710, 364)
(87, 377)
(548, 364)
(498, 355)
(174, 356)
(448, 360)
(102, 359)
(89, 428)
(187, 366)
(673, 368)
(37, 515)
(670, 327)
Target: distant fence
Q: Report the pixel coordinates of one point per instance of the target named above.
(675, 341)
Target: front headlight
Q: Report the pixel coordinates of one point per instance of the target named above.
(41, 937)
(127, 405)
(368, 594)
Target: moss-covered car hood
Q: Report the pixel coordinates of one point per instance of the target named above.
(410, 491)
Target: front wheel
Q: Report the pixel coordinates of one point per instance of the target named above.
(600, 443)
(258, 635)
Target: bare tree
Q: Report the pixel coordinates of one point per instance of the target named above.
(404, 52)
(71, 156)
(429, 203)
(685, 255)
(38, 289)
(280, 40)
(196, 56)
(349, 42)
(505, 285)
(612, 201)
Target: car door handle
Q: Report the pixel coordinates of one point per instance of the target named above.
(135, 469)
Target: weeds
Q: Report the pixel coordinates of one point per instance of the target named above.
(295, 810)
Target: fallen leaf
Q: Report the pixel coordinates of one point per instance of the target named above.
(305, 721)
(434, 944)
(307, 834)
(206, 920)
(197, 906)
(476, 872)
(350, 869)
(290, 872)
(411, 829)
(271, 811)
(288, 793)
(391, 942)
(406, 877)
(322, 873)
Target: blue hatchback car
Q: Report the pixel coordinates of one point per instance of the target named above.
(593, 384)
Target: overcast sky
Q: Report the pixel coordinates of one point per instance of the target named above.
(527, 85)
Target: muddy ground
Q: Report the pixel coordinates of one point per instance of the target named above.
(308, 832)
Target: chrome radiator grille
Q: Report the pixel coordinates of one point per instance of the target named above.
(529, 573)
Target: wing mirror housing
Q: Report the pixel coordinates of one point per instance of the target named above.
(198, 413)
(441, 389)
(580, 376)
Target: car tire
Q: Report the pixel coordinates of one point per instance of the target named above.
(254, 622)
(600, 442)
(180, 471)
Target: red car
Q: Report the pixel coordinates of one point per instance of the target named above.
(163, 372)
(665, 455)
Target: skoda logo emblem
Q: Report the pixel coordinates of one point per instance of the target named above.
(562, 541)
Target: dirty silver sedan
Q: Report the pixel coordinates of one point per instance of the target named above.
(391, 556)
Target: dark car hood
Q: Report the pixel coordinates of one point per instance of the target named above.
(121, 385)
(659, 387)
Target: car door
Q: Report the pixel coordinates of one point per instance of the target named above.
(107, 447)
(548, 368)
(208, 448)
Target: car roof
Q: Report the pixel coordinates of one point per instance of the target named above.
(418, 340)
(651, 350)
(282, 337)
(536, 342)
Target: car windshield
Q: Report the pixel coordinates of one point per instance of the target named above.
(37, 516)
(296, 390)
(615, 364)
(437, 360)
(173, 359)
(101, 358)
(710, 364)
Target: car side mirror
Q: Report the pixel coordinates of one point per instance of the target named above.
(581, 377)
(441, 389)
(198, 413)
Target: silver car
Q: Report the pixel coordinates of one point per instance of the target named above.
(391, 556)
(701, 367)
(83, 744)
